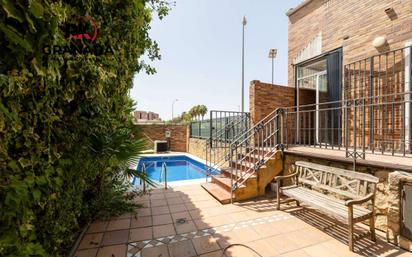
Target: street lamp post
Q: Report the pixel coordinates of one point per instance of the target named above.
(244, 22)
(173, 103)
(272, 54)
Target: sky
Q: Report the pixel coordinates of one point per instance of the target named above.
(201, 46)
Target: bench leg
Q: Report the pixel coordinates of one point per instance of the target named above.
(351, 236)
(350, 222)
(372, 228)
(297, 203)
(278, 196)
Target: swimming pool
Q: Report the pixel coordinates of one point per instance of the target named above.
(179, 168)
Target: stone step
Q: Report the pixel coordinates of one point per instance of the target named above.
(227, 171)
(243, 165)
(221, 194)
(224, 182)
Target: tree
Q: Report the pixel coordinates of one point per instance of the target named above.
(62, 92)
(203, 110)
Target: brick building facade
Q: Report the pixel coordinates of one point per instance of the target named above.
(146, 116)
(348, 24)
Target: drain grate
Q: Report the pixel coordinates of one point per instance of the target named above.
(181, 221)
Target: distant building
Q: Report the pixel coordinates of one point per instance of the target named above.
(143, 116)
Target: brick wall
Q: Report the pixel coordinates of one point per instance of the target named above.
(360, 22)
(264, 98)
(178, 139)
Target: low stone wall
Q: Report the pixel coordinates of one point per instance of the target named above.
(394, 209)
(197, 147)
(382, 191)
(179, 135)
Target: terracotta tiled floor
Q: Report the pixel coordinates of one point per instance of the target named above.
(187, 221)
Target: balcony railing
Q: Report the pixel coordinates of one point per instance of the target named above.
(378, 124)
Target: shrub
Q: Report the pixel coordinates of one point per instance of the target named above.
(59, 96)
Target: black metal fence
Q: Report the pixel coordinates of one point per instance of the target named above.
(224, 125)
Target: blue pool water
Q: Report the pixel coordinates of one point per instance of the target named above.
(178, 168)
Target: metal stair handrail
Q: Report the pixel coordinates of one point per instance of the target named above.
(265, 138)
(218, 145)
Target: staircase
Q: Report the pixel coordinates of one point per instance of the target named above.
(246, 164)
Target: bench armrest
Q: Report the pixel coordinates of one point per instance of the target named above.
(279, 178)
(360, 201)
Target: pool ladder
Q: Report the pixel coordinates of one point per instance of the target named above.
(163, 171)
(141, 180)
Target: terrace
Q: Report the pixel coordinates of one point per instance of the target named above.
(186, 221)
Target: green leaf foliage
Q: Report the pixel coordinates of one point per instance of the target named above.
(66, 136)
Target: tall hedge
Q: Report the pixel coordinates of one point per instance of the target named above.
(53, 103)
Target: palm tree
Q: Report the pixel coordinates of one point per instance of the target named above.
(203, 110)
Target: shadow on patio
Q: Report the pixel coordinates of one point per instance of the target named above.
(186, 221)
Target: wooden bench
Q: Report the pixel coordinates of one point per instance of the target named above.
(347, 193)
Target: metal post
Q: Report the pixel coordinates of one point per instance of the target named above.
(273, 69)
(243, 62)
(144, 174)
(371, 110)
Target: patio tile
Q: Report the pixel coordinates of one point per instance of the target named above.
(307, 237)
(246, 235)
(171, 194)
(158, 251)
(162, 219)
(163, 230)
(143, 212)
(282, 244)
(181, 215)
(177, 208)
(202, 224)
(297, 253)
(263, 247)
(267, 230)
(176, 200)
(140, 234)
(187, 227)
(138, 222)
(196, 214)
(226, 238)
(319, 250)
(160, 210)
(118, 224)
(160, 202)
(113, 251)
(213, 254)
(143, 203)
(190, 206)
(237, 251)
(219, 220)
(115, 237)
(156, 196)
(339, 248)
(205, 244)
(123, 216)
(182, 249)
(90, 241)
(97, 226)
(86, 253)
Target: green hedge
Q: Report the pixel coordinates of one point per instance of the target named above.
(53, 109)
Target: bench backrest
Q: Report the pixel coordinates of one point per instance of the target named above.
(343, 182)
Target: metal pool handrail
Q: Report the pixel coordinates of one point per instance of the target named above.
(144, 174)
(164, 170)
